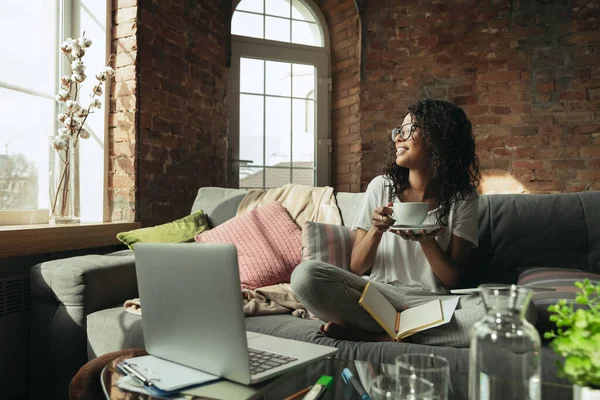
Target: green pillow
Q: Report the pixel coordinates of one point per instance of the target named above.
(181, 230)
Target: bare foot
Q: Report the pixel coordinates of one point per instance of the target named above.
(348, 332)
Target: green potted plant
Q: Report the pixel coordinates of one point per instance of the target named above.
(577, 340)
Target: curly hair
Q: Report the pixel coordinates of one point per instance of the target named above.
(448, 135)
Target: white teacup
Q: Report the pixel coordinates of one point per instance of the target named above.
(410, 213)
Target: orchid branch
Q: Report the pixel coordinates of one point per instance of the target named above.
(74, 117)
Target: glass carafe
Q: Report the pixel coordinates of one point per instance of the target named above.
(504, 358)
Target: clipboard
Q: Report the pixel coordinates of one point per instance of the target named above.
(161, 376)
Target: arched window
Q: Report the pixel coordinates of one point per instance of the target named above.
(279, 95)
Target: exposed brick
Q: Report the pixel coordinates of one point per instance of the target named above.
(125, 15)
(590, 151)
(124, 45)
(583, 129)
(122, 134)
(545, 187)
(529, 164)
(125, 73)
(183, 114)
(588, 175)
(116, 4)
(544, 87)
(125, 59)
(593, 94)
(573, 95)
(499, 76)
(500, 109)
(125, 29)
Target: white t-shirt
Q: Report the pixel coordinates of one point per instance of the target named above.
(400, 260)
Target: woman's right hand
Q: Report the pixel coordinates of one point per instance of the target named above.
(382, 219)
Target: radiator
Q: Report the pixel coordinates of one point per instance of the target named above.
(15, 301)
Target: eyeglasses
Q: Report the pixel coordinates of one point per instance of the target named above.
(405, 131)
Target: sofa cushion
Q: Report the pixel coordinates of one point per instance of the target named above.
(562, 280)
(113, 329)
(268, 244)
(328, 243)
(178, 231)
(219, 204)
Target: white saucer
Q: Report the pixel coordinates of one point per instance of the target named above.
(415, 228)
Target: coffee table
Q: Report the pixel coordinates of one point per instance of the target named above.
(298, 379)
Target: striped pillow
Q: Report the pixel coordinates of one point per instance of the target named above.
(329, 243)
(558, 278)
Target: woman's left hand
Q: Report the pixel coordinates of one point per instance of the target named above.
(420, 237)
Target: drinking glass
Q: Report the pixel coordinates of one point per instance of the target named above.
(435, 369)
(405, 387)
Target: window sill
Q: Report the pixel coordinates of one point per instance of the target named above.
(21, 240)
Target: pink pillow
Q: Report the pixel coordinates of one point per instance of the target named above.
(268, 243)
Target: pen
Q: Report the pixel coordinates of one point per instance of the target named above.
(319, 388)
(350, 379)
(298, 395)
(129, 370)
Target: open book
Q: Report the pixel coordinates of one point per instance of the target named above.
(402, 324)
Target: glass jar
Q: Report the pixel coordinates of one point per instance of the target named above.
(504, 357)
(64, 206)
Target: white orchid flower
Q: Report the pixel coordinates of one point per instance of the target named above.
(96, 104)
(58, 144)
(62, 132)
(79, 77)
(84, 134)
(74, 43)
(79, 52)
(108, 71)
(84, 42)
(61, 117)
(72, 106)
(63, 95)
(96, 90)
(77, 66)
(66, 81)
(66, 48)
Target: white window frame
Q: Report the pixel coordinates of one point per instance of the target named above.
(242, 46)
(68, 23)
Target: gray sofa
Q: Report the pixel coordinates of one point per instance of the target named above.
(77, 311)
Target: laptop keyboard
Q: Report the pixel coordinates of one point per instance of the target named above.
(261, 361)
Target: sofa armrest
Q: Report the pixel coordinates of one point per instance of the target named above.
(63, 293)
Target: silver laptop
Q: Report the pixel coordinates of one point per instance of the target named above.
(193, 314)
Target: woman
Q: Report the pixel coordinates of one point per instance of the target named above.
(434, 161)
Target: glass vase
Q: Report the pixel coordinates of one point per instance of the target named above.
(64, 207)
(504, 357)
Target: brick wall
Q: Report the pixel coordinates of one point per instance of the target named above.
(344, 29)
(527, 73)
(528, 76)
(182, 61)
(122, 134)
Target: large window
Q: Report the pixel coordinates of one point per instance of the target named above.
(279, 115)
(30, 35)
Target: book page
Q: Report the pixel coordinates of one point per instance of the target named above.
(448, 307)
(421, 317)
(380, 309)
